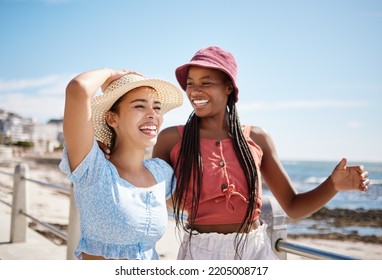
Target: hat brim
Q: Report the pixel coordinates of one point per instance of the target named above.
(169, 95)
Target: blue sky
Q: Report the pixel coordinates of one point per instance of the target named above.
(310, 72)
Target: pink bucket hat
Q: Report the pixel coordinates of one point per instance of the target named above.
(210, 57)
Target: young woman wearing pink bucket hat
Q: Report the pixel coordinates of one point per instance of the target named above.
(219, 165)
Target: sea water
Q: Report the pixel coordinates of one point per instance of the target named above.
(306, 175)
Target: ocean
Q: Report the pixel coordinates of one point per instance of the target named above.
(306, 175)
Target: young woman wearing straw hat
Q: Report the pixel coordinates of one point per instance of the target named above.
(121, 201)
(219, 164)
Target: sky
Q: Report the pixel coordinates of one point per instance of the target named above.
(310, 72)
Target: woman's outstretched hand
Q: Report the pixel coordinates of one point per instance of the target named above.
(350, 177)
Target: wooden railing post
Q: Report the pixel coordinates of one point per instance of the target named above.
(19, 204)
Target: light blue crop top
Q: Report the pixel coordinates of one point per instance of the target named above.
(117, 219)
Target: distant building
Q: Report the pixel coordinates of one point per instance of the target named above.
(45, 137)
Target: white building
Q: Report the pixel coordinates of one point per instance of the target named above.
(45, 137)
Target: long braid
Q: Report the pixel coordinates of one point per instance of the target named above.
(247, 162)
(188, 166)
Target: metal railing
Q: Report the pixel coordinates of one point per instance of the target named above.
(272, 215)
(20, 214)
(308, 252)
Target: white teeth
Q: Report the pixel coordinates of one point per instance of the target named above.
(149, 130)
(148, 127)
(200, 101)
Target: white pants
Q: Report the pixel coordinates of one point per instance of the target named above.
(218, 246)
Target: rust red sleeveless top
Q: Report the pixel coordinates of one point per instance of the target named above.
(224, 192)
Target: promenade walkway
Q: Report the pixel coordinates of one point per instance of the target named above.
(38, 247)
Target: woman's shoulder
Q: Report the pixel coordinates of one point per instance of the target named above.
(172, 131)
(261, 137)
(166, 141)
(256, 131)
(158, 164)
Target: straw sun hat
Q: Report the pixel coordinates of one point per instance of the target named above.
(169, 95)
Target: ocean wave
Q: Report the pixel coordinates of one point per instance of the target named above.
(314, 180)
(318, 180)
(375, 182)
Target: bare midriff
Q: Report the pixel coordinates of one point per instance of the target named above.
(224, 228)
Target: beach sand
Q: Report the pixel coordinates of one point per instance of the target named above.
(52, 207)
